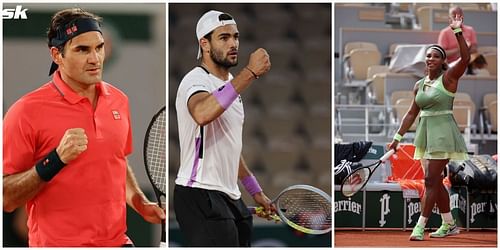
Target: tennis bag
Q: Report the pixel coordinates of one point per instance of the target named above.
(347, 157)
(479, 172)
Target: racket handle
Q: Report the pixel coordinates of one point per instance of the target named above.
(256, 210)
(260, 210)
(387, 155)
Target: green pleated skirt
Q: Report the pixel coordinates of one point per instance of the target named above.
(438, 137)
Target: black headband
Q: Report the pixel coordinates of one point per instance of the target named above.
(71, 30)
(439, 49)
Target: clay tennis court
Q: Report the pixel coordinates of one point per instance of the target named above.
(393, 238)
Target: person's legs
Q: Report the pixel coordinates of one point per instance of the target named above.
(448, 226)
(443, 200)
(433, 194)
(425, 166)
(443, 204)
(243, 220)
(244, 231)
(202, 219)
(221, 233)
(434, 189)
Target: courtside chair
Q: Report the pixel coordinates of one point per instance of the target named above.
(484, 50)
(462, 96)
(401, 107)
(491, 60)
(488, 98)
(399, 94)
(375, 88)
(360, 60)
(348, 47)
(375, 69)
(492, 110)
(488, 114)
(461, 107)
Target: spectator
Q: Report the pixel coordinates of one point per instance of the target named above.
(448, 41)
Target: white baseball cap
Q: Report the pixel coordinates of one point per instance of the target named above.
(209, 22)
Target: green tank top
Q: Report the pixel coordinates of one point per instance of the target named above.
(433, 97)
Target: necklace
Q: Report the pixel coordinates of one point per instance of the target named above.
(429, 83)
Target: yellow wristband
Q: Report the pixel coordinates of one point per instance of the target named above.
(457, 30)
(398, 137)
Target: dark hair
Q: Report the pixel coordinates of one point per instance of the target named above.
(441, 51)
(225, 17)
(62, 18)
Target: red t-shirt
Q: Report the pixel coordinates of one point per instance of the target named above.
(84, 204)
(448, 41)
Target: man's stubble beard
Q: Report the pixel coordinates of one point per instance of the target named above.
(224, 62)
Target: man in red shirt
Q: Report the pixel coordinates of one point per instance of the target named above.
(448, 41)
(66, 145)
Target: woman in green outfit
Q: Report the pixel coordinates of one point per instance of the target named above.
(437, 138)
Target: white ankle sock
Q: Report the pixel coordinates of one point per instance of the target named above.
(447, 218)
(422, 221)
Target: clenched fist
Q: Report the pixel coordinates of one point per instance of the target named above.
(259, 62)
(73, 143)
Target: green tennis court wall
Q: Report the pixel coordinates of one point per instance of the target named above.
(393, 209)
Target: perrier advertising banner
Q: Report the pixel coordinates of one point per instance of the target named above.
(387, 208)
(348, 211)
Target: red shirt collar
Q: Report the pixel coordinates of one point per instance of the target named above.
(70, 95)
